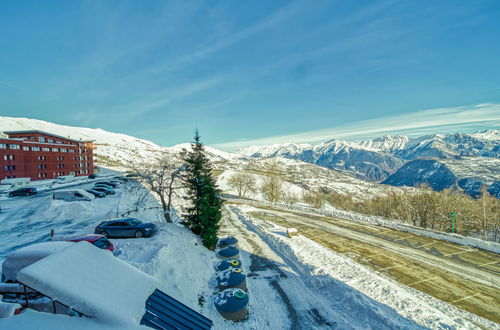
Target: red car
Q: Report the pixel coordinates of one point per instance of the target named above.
(98, 240)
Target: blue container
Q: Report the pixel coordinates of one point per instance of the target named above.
(228, 263)
(228, 241)
(232, 278)
(232, 304)
(229, 252)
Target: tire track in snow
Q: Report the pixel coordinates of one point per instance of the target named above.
(300, 318)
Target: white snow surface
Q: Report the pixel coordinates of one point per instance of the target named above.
(93, 282)
(184, 269)
(28, 255)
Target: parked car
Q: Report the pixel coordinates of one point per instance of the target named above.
(23, 192)
(98, 240)
(125, 227)
(108, 183)
(96, 193)
(73, 195)
(103, 189)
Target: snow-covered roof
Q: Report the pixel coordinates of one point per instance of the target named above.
(28, 255)
(35, 131)
(93, 282)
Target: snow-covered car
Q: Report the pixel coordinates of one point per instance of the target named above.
(24, 257)
(125, 227)
(103, 189)
(97, 240)
(73, 195)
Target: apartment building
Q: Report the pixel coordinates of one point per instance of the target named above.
(41, 155)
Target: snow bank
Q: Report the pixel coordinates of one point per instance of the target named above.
(30, 320)
(7, 309)
(395, 224)
(93, 282)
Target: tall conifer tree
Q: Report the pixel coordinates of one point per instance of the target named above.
(203, 217)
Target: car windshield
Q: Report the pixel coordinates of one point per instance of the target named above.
(102, 243)
(134, 222)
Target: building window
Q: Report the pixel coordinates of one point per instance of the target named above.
(64, 150)
(35, 148)
(71, 150)
(60, 158)
(42, 166)
(60, 165)
(55, 149)
(32, 138)
(26, 148)
(41, 139)
(10, 167)
(42, 157)
(45, 149)
(59, 142)
(14, 146)
(3, 146)
(42, 175)
(50, 141)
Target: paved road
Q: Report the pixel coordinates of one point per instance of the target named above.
(462, 276)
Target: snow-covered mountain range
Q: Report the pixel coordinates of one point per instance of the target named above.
(345, 167)
(118, 150)
(461, 156)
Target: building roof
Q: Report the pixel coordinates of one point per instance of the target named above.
(46, 133)
(97, 284)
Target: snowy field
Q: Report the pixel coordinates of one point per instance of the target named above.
(293, 283)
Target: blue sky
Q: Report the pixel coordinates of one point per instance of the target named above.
(247, 72)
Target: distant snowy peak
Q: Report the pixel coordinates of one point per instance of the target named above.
(488, 134)
(387, 143)
(274, 150)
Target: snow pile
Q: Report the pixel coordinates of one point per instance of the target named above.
(28, 255)
(30, 319)
(93, 282)
(7, 309)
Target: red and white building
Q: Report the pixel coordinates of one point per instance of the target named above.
(40, 155)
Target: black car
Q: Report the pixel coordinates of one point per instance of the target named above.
(108, 183)
(96, 193)
(125, 227)
(23, 192)
(103, 189)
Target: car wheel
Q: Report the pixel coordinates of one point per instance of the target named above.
(139, 234)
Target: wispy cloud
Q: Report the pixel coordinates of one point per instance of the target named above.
(486, 115)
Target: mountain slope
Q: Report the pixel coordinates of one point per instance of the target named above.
(112, 149)
(378, 159)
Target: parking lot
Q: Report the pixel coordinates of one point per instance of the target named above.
(26, 220)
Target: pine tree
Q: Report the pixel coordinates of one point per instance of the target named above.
(203, 217)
